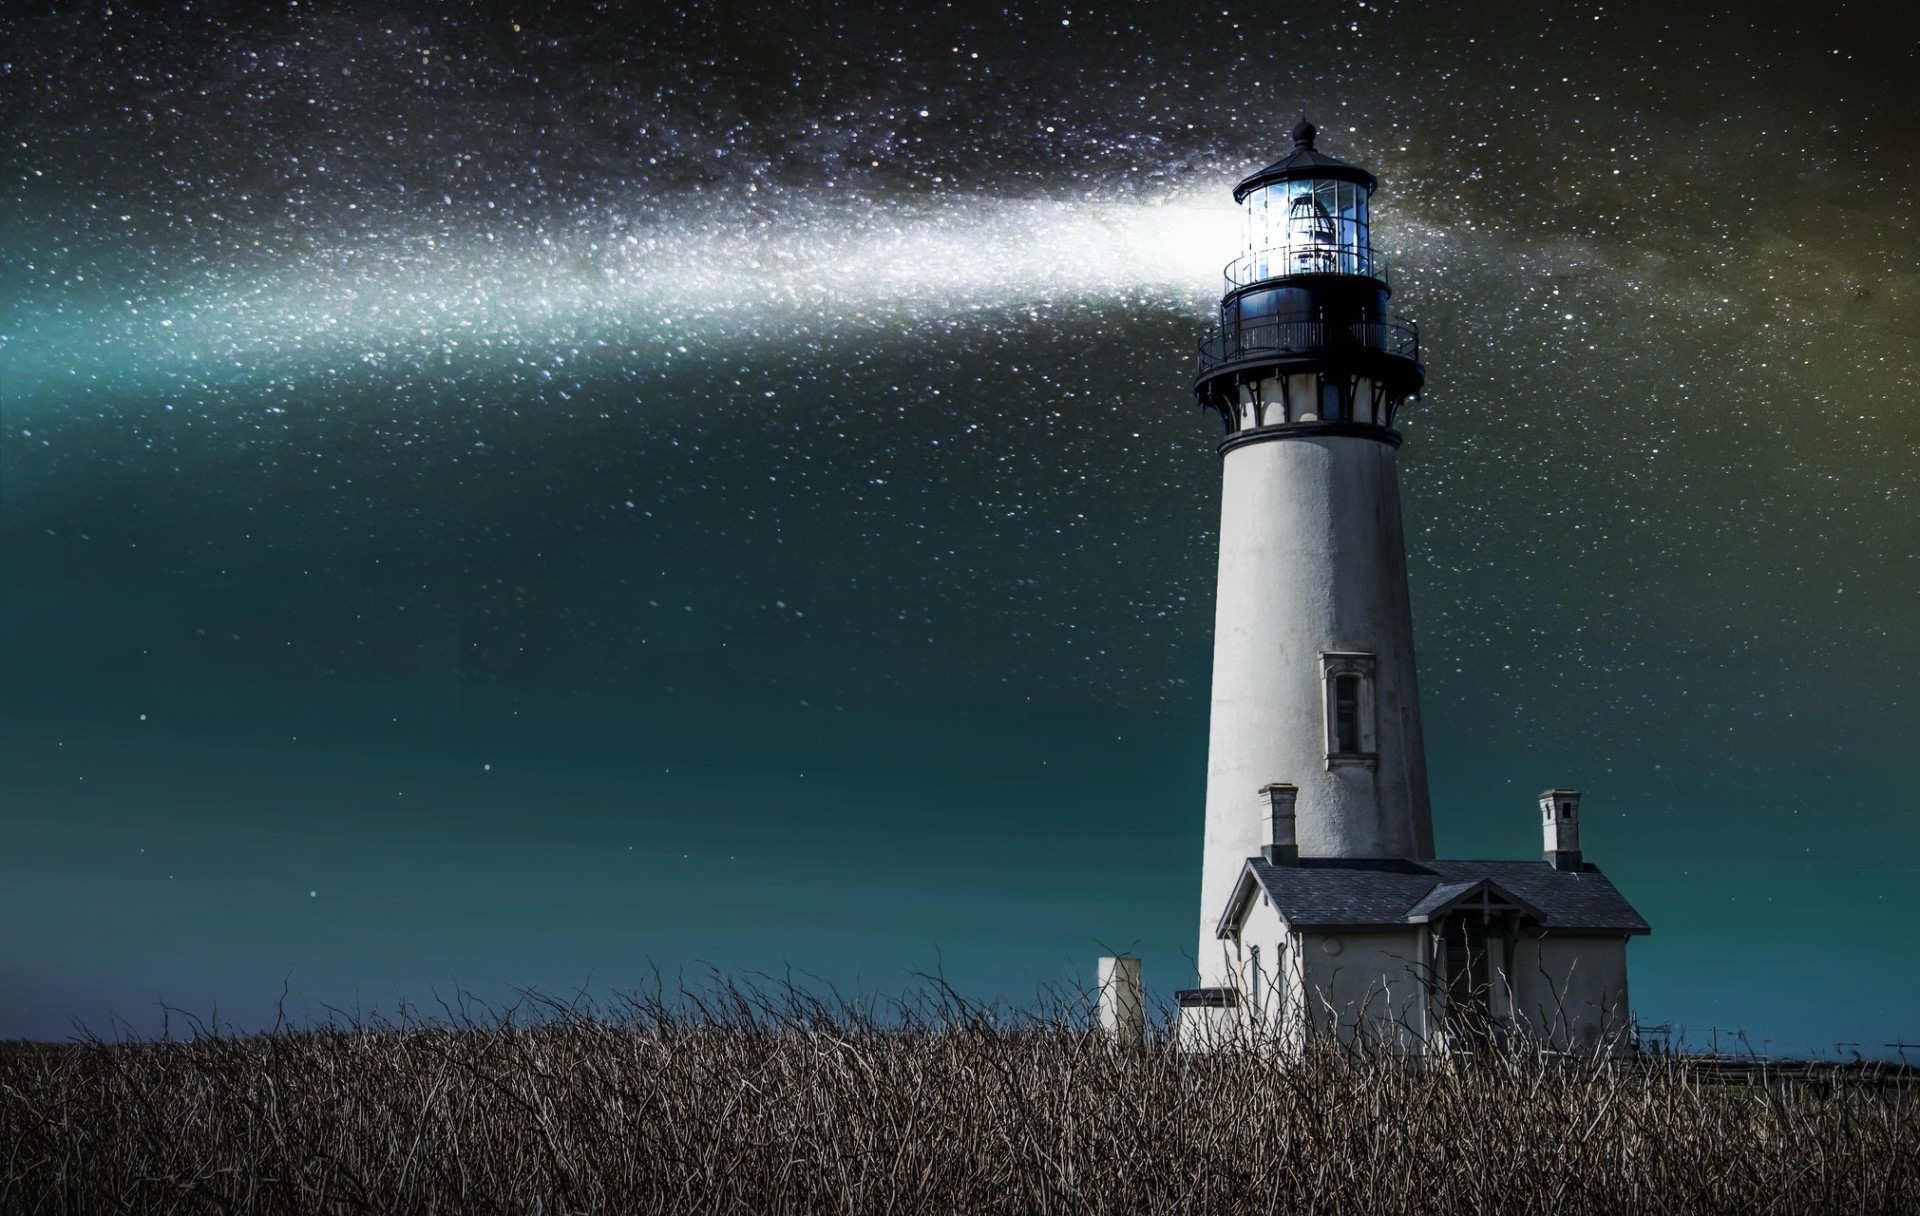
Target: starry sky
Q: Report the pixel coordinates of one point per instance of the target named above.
(504, 497)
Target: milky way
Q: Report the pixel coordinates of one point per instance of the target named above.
(674, 407)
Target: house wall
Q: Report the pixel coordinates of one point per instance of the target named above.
(1211, 1029)
(1571, 991)
(1273, 1005)
(1380, 988)
(1370, 984)
(1374, 987)
(1269, 1004)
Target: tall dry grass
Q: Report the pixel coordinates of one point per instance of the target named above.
(737, 1101)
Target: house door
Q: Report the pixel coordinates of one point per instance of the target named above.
(1469, 977)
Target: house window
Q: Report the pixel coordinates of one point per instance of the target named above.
(1278, 985)
(1348, 682)
(1257, 983)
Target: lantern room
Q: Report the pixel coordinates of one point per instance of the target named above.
(1304, 333)
(1304, 214)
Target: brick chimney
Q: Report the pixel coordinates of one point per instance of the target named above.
(1276, 803)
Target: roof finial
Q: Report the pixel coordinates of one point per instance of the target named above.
(1303, 132)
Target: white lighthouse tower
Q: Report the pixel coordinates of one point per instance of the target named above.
(1313, 677)
(1322, 907)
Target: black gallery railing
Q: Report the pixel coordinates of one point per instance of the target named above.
(1251, 339)
(1305, 257)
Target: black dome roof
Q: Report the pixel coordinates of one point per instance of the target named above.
(1303, 161)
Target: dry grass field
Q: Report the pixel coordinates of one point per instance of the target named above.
(737, 1102)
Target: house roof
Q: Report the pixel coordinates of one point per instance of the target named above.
(1370, 893)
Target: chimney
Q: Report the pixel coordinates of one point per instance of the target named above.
(1276, 803)
(1560, 821)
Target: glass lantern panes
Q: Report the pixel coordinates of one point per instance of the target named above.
(1309, 226)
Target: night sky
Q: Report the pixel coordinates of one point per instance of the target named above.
(524, 497)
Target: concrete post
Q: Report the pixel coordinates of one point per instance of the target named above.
(1123, 1013)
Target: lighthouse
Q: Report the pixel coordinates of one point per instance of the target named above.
(1313, 676)
(1322, 908)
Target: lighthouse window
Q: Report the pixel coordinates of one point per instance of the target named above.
(1348, 679)
(1346, 713)
(1333, 400)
